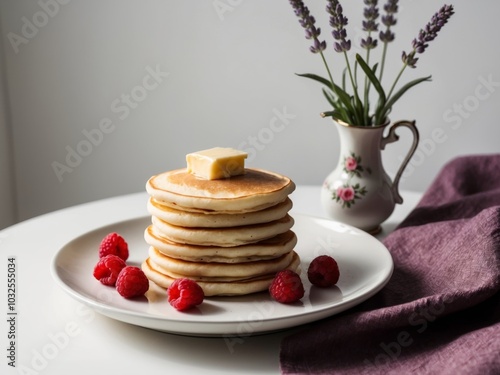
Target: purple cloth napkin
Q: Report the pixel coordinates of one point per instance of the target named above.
(440, 312)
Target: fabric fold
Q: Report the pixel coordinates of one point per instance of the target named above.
(440, 312)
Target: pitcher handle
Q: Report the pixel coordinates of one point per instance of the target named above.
(393, 137)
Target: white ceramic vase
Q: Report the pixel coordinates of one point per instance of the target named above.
(359, 192)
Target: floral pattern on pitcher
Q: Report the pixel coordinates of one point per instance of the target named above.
(353, 167)
(347, 194)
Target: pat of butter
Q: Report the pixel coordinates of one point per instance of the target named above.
(216, 163)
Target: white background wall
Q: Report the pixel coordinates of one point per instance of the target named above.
(224, 70)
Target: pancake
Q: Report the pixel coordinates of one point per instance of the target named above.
(177, 267)
(231, 235)
(266, 249)
(214, 219)
(213, 288)
(254, 190)
(223, 237)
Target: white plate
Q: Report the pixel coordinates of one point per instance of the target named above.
(364, 262)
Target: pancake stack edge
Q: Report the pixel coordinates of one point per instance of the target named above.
(230, 235)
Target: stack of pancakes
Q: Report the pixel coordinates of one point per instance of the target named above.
(230, 235)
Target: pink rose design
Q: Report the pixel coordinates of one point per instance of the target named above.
(340, 191)
(347, 194)
(351, 164)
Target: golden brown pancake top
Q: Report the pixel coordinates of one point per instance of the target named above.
(254, 181)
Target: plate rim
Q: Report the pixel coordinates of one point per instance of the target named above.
(116, 312)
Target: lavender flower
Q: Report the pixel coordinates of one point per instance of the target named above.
(387, 36)
(308, 23)
(338, 22)
(428, 34)
(370, 24)
(347, 103)
(388, 20)
(369, 43)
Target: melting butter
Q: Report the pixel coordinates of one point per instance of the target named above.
(216, 163)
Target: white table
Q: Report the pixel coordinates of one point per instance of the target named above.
(58, 335)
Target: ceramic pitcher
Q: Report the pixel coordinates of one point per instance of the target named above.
(359, 192)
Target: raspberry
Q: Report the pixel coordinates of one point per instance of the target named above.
(114, 244)
(185, 293)
(132, 282)
(107, 269)
(323, 271)
(286, 287)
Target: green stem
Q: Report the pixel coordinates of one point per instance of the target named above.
(381, 114)
(384, 52)
(357, 118)
(367, 91)
(345, 114)
(327, 69)
(396, 81)
(382, 63)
